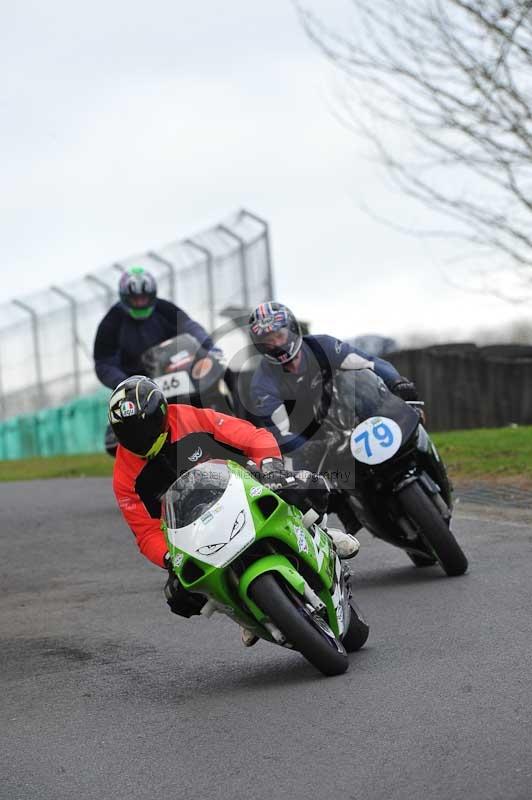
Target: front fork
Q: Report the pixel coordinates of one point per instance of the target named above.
(432, 490)
(431, 462)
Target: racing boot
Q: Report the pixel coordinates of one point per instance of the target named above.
(248, 637)
(346, 545)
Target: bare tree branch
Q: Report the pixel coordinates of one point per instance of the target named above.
(442, 90)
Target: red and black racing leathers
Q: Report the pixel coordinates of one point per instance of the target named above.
(195, 435)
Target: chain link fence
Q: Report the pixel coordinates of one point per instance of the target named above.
(46, 338)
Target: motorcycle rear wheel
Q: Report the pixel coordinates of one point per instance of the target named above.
(433, 529)
(288, 612)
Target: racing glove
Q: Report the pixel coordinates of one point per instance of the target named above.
(274, 475)
(182, 602)
(405, 389)
(303, 489)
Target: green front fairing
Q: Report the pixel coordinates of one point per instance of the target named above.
(274, 563)
(283, 524)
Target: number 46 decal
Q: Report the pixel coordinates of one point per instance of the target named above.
(376, 440)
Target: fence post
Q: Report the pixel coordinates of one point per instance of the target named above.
(36, 350)
(171, 271)
(105, 286)
(210, 280)
(75, 334)
(245, 213)
(242, 255)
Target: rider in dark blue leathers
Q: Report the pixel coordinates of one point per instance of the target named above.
(284, 400)
(292, 380)
(139, 321)
(291, 377)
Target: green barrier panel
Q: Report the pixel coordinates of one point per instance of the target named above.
(27, 431)
(49, 438)
(69, 422)
(83, 424)
(13, 448)
(77, 427)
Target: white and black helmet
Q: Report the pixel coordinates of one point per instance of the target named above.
(138, 414)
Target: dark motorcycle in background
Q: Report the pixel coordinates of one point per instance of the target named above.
(380, 459)
(186, 373)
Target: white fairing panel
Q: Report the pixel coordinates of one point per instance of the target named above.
(220, 534)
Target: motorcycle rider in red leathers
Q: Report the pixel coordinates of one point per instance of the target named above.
(158, 442)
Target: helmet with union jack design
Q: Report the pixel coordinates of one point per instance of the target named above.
(275, 332)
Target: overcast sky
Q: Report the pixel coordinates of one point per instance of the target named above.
(126, 125)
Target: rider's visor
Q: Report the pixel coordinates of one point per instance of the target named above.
(140, 301)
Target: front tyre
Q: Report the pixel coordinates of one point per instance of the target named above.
(288, 612)
(357, 631)
(433, 529)
(421, 561)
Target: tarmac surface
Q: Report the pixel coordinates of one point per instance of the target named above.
(105, 695)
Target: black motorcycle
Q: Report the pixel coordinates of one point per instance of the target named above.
(185, 373)
(384, 467)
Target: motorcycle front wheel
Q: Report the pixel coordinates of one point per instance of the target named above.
(357, 631)
(421, 561)
(433, 529)
(288, 612)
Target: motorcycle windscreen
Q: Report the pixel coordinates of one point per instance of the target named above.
(207, 514)
(358, 395)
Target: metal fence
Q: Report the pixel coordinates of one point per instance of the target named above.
(46, 338)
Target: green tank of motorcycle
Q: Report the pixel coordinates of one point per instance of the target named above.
(282, 544)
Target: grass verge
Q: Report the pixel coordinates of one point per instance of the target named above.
(500, 455)
(99, 465)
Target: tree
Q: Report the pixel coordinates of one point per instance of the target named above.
(443, 91)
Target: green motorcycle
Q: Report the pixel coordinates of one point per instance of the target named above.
(253, 557)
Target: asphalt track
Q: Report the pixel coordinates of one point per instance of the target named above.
(105, 695)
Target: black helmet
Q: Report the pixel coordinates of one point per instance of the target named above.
(138, 413)
(273, 318)
(138, 292)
